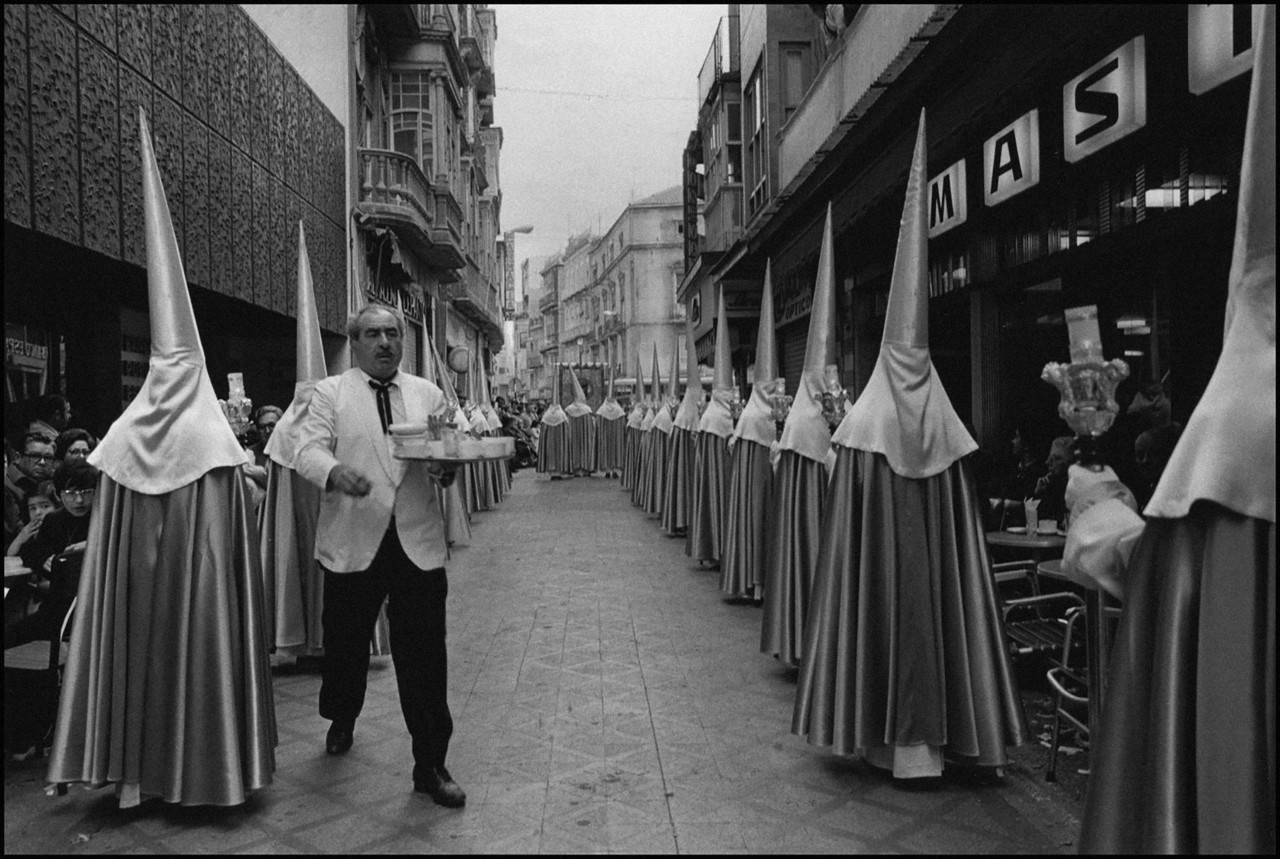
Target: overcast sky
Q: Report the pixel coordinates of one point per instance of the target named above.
(595, 105)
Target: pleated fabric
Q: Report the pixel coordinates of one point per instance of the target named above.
(472, 478)
(293, 583)
(582, 443)
(631, 459)
(611, 439)
(799, 497)
(457, 522)
(904, 643)
(553, 449)
(655, 491)
(1184, 761)
(677, 498)
(746, 520)
(705, 541)
(167, 688)
(644, 463)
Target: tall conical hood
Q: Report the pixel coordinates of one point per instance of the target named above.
(904, 412)
(638, 407)
(579, 406)
(1227, 454)
(174, 431)
(717, 418)
(756, 422)
(282, 447)
(690, 406)
(664, 420)
(486, 400)
(655, 381)
(610, 410)
(806, 431)
(554, 415)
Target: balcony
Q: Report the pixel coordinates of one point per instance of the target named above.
(548, 302)
(475, 298)
(394, 193)
(878, 45)
(721, 59)
(534, 360)
(398, 20)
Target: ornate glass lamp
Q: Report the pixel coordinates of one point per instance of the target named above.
(1088, 384)
(237, 407)
(834, 398)
(780, 401)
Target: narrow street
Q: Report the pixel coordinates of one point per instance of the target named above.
(605, 697)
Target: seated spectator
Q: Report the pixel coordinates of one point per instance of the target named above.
(74, 444)
(1018, 482)
(265, 419)
(35, 462)
(40, 501)
(1151, 451)
(49, 416)
(55, 553)
(1051, 489)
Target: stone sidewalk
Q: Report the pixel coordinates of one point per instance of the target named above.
(606, 699)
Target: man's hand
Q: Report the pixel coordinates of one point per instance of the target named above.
(442, 474)
(348, 481)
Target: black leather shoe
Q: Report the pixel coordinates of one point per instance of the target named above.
(341, 736)
(441, 787)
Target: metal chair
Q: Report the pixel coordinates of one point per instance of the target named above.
(44, 656)
(1070, 694)
(1036, 623)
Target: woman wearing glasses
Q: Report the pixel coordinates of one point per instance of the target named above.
(55, 551)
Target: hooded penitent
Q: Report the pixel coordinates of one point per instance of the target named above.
(711, 463)
(553, 437)
(746, 520)
(1186, 763)
(582, 430)
(653, 451)
(631, 450)
(904, 651)
(167, 687)
(800, 481)
(293, 582)
(611, 427)
(681, 450)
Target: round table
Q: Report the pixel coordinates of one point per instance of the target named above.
(1034, 542)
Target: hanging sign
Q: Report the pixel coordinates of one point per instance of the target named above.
(1219, 43)
(1105, 102)
(1011, 159)
(948, 201)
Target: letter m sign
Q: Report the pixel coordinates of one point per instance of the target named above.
(948, 200)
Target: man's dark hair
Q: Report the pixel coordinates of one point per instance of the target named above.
(76, 474)
(47, 406)
(35, 438)
(68, 437)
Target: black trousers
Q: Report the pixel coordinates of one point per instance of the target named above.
(415, 610)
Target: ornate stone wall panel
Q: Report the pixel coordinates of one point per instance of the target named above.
(311, 221)
(134, 28)
(99, 131)
(135, 92)
(218, 50)
(166, 131)
(55, 148)
(195, 181)
(242, 225)
(306, 145)
(241, 101)
(221, 226)
(275, 113)
(277, 244)
(290, 141)
(259, 95)
(68, 10)
(293, 212)
(195, 60)
(261, 238)
(99, 21)
(337, 172)
(17, 117)
(167, 49)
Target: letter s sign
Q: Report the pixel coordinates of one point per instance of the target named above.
(1106, 102)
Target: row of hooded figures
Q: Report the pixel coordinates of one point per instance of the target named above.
(859, 528)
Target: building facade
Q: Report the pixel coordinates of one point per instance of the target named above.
(246, 149)
(549, 310)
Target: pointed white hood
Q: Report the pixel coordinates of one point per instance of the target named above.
(756, 422)
(282, 447)
(904, 412)
(554, 415)
(718, 418)
(610, 410)
(1227, 453)
(579, 406)
(664, 420)
(688, 414)
(174, 431)
(638, 409)
(806, 431)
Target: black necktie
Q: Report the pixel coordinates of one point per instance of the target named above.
(383, 392)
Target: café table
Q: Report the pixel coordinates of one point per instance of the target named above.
(1102, 612)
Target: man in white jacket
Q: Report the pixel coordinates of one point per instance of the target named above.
(380, 536)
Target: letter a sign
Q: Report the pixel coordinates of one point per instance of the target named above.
(1106, 102)
(1011, 159)
(948, 206)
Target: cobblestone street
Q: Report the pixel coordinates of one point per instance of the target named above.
(606, 699)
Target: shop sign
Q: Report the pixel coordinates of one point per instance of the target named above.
(948, 200)
(1106, 102)
(1219, 43)
(1011, 159)
(26, 362)
(135, 353)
